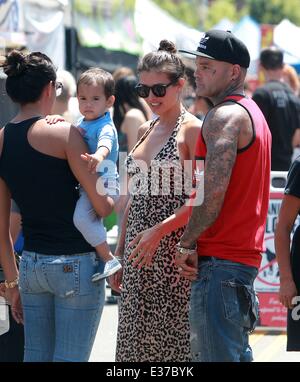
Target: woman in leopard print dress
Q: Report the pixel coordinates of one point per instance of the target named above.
(154, 306)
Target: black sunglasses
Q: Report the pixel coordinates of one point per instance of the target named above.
(159, 90)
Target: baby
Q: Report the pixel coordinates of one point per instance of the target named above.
(95, 93)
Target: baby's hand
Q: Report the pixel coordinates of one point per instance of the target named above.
(92, 161)
(53, 119)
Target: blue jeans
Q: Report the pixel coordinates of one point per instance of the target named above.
(224, 309)
(62, 307)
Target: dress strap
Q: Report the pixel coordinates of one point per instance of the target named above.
(145, 135)
(179, 121)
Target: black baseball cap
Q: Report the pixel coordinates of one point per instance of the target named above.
(222, 46)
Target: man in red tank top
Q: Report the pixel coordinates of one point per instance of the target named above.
(221, 247)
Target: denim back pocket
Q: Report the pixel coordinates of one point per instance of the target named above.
(240, 304)
(62, 276)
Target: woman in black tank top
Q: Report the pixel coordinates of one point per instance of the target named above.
(40, 168)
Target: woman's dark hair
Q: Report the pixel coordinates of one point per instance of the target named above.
(125, 93)
(164, 60)
(27, 75)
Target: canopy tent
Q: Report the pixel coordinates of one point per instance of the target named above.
(248, 30)
(154, 24)
(11, 26)
(45, 31)
(286, 36)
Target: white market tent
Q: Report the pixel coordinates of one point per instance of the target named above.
(154, 24)
(287, 37)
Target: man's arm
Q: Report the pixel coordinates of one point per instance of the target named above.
(220, 132)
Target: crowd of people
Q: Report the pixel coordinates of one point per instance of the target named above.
(191, 209)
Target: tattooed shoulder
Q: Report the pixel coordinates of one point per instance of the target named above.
(226, 121)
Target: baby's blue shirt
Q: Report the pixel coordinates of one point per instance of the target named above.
(101, 132)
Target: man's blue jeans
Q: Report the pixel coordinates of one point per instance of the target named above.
(224, 309)
(62, 307)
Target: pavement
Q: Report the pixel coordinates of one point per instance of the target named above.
(268, 345)
(105, 341)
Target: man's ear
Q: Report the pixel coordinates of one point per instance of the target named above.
(236, 71)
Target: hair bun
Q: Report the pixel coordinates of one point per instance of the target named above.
(167, 46)
(15, 64)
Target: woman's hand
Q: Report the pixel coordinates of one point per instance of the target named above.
(147, 243)
(13, 298)
(54, 118)
(287, 292)
(115, 281)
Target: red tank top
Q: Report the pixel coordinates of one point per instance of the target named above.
(238, 233)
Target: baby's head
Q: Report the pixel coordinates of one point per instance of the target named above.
(95, 93)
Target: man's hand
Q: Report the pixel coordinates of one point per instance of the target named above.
(187, 265)
(287, 292)
(296, 138)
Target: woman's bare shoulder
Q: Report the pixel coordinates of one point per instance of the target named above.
(55, 139)
(60, 130)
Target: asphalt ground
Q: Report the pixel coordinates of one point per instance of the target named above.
(267, 345)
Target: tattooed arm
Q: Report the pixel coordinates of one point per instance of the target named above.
(221, 132)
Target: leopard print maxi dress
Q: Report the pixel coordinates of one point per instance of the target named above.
(154, 306)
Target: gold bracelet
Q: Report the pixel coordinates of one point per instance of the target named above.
(11, 284)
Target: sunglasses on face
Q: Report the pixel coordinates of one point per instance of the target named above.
(159, 90)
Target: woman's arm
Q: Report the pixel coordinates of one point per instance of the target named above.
(148, 241)
(287, 215)
(121, 241)
(93, 185)
(7, 257)
(15, 225)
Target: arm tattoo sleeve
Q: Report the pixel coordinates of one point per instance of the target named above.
(220, 133)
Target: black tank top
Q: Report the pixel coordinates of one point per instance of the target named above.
(45, 190)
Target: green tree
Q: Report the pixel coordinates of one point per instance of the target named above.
(184, 11)
(220, 9)
(204, 14)
(274, 11)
